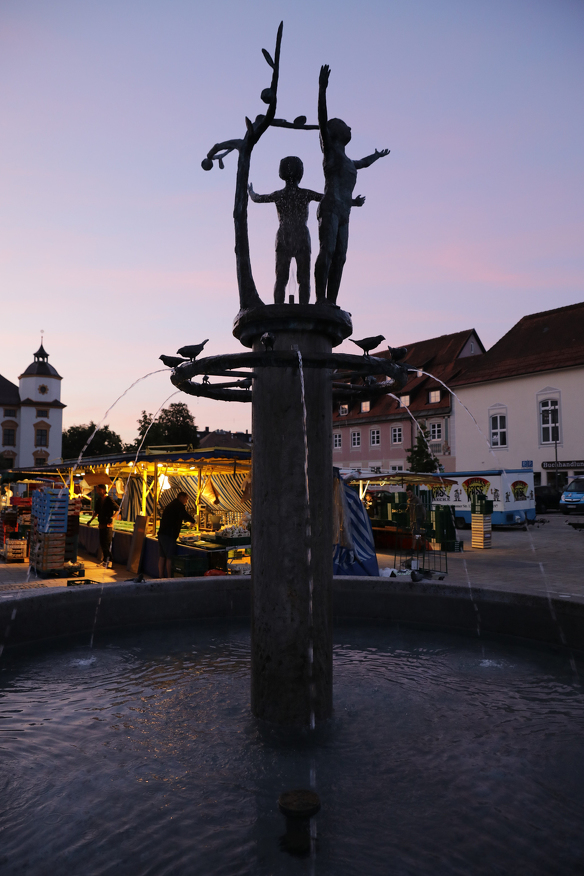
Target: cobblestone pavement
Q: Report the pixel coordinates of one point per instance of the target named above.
(15, 576)
(547, 557)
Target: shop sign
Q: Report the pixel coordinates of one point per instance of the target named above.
(572, 463)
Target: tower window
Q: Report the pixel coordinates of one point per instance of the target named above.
(42, 438)
(42, 412)
(9, 412)
(9, 437)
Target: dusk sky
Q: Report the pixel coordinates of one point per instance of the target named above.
(118, 245)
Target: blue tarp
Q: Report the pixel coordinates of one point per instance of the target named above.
(354, 550)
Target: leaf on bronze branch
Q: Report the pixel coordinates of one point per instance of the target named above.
(300, 121)
(248, 125)
(268, 58)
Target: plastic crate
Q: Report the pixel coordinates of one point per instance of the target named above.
(189, 567)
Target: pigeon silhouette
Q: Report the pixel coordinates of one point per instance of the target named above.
(398, 353)
(267, 340)
(172, 361)
(367, 344)
(191, 351)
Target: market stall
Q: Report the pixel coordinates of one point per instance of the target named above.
(217, 481)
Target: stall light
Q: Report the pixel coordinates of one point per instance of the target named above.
(163, 483)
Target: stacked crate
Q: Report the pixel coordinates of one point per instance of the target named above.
(15, 550)
(47, 551)
(444, 531)
(481, 511)
(72, 534)
(49, 528)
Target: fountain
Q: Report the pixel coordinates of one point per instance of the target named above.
(291, 396)
(131, 747)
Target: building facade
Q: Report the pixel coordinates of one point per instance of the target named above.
(378, 434)
(527, 395)
(32, 415)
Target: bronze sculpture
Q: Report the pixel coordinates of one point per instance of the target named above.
(340, 174)
(293, 237)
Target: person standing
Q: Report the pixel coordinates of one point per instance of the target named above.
(171, 522)
(416, 511)
(105, 510)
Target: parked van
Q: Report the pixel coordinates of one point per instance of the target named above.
(573, 497)
(510, 490)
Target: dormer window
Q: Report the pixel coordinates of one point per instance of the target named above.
(365, 407)
(434, 396)
(404, 401)
(343, 410)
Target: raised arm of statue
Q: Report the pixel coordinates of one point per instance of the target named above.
(323, 80)
(369, 159)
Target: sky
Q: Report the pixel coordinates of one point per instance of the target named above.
(118, 245)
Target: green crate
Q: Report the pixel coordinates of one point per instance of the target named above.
(189, 567)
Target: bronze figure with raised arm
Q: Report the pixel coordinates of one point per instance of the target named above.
(340, 174)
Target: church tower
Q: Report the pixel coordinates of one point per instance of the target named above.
(41, 412)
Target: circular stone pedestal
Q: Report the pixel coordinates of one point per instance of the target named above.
(291, 625)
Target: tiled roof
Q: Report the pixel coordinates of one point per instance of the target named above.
(539, 342)
(9, 394)
(440, 357)
(222, 439)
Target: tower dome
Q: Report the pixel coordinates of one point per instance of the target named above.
(40, 365)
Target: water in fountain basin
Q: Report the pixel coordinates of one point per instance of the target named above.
(140, 757)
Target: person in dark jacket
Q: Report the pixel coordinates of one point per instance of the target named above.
(171, 522)
(105, 510)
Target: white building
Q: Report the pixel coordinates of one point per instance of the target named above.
(32, 415)
(527, 395)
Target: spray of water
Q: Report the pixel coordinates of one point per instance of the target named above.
(553, 613)
(422, 433)
(65, 489)
(166, 400)
(472, 599)
(471, 415)
(308, 551)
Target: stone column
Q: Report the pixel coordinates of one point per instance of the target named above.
(291, 541)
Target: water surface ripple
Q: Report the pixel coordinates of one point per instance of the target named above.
(446, 755)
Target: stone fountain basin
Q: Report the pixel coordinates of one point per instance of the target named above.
(33, 616)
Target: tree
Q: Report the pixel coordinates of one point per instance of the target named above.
(104, 441)
(419, 458)
(174, 425)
